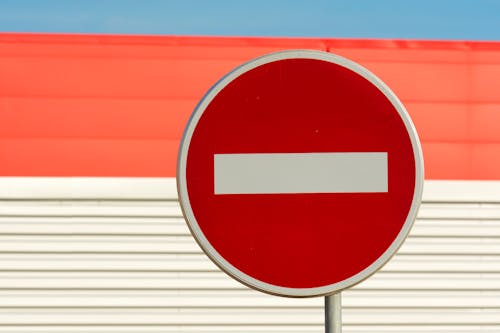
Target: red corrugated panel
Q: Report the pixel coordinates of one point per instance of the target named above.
(101, 105)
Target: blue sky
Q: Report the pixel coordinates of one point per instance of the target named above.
(414, 19)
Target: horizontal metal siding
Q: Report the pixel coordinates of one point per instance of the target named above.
(119, 258)
(119, 100)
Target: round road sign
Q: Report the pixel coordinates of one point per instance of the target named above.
(300, 173)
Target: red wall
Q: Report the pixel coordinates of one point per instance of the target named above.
(95, 105)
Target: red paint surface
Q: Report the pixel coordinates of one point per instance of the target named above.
(95, 105)
(300, 106)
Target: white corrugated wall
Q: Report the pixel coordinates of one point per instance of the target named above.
(115, 255)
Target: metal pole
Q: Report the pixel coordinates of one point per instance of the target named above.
(333, 313)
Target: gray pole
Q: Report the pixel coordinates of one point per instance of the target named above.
(333, 313)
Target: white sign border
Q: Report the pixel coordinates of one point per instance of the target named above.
(198, 234)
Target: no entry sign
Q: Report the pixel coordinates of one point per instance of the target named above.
(300, 173)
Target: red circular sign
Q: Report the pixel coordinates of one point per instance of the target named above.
(300, 173)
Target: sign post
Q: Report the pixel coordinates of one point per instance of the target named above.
(333, 313)
(300, 174)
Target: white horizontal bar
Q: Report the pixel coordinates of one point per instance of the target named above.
(462, 190)
(120, 188)
(359, 172)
